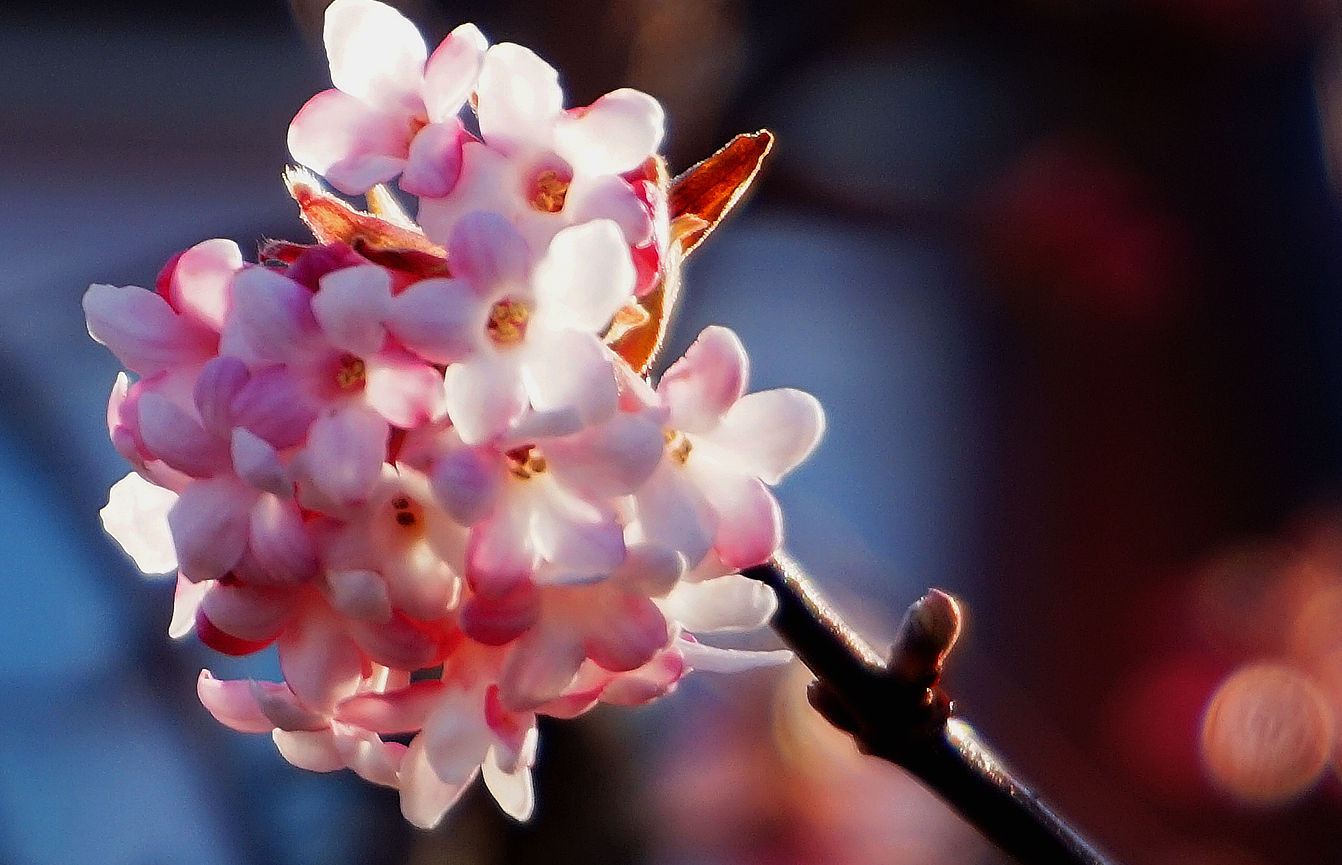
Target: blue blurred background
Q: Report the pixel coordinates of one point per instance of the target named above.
(1067, 276)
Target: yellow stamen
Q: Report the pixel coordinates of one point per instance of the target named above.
(508, 322)
(350, 373)
(549, 190)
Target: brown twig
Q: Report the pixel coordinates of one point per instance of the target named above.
(897, 711)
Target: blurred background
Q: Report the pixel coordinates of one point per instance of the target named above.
(1067, 275)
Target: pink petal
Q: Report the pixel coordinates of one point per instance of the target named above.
(371, 758)
(455, 735)
(282, 709)
(344, 453)
(314, 751)
(275, 406)
(209, 527)
(199, 284)
(519, 98)
(613, 135)
(488, 252)
(451, 71)
(142, 330)
(401, 711)
(771, 432)
(704, 384)
(500, 553)
(402, 643)
(281, 543)
(612, 459)
(424, 796)
(320, 662)
(629, 635)
(467, 483)
(404, 389)
(540, 666)
(136, 516)
(359, 594)
(271, 316)
(484, 395)
(433, 165)
(569, 370)
(178, 439)
(497, 620)
(649, 570)
(350, 306)
(584, 277)
(375, 52)
(258, 464)
(441, 320)
(253, 616)
(730, 603)
(232, 703)
(750, 525)
(487, 182)
(219, 383)
(654, 679)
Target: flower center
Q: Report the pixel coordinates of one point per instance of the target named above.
(508, 322)
(407, 513)
(548, 191)
(678, 444)
(350, 373)
(526, 462)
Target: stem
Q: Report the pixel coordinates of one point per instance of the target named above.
(897, 711)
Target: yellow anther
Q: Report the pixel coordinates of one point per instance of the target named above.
(549, 190)
(508, 322)
(350, 373)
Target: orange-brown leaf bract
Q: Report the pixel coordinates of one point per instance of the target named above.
(382, 241)
(710, 189)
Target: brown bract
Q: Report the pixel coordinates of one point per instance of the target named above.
(698, 200)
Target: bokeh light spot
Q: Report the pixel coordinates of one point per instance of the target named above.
(1267, 734)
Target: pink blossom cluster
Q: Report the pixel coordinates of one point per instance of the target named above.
(437, 490)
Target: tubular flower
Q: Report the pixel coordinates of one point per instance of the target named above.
(430, 465)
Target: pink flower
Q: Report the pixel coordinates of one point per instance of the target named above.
(724, 449)
(391, 112)
(531, 331)
(543, 167)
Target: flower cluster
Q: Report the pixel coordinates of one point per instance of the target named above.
(422, 459)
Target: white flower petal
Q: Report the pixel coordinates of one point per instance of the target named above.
(712, 659)
(232, 703)
(467, 482)
(315, 750)
(584, 277)
(351, 305)
(425, 798)
(611, 459)
(375, 52)
(730, 603)
(518, 98)
(136, 516)
(567, 370)
(320, 662)
(704, 384)
(771, 432)
(513, 790)
(271, 316)
(484, 395)
(258, 463)
(451, 71)
(488, 252)
(441, 320)
(613, 135)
